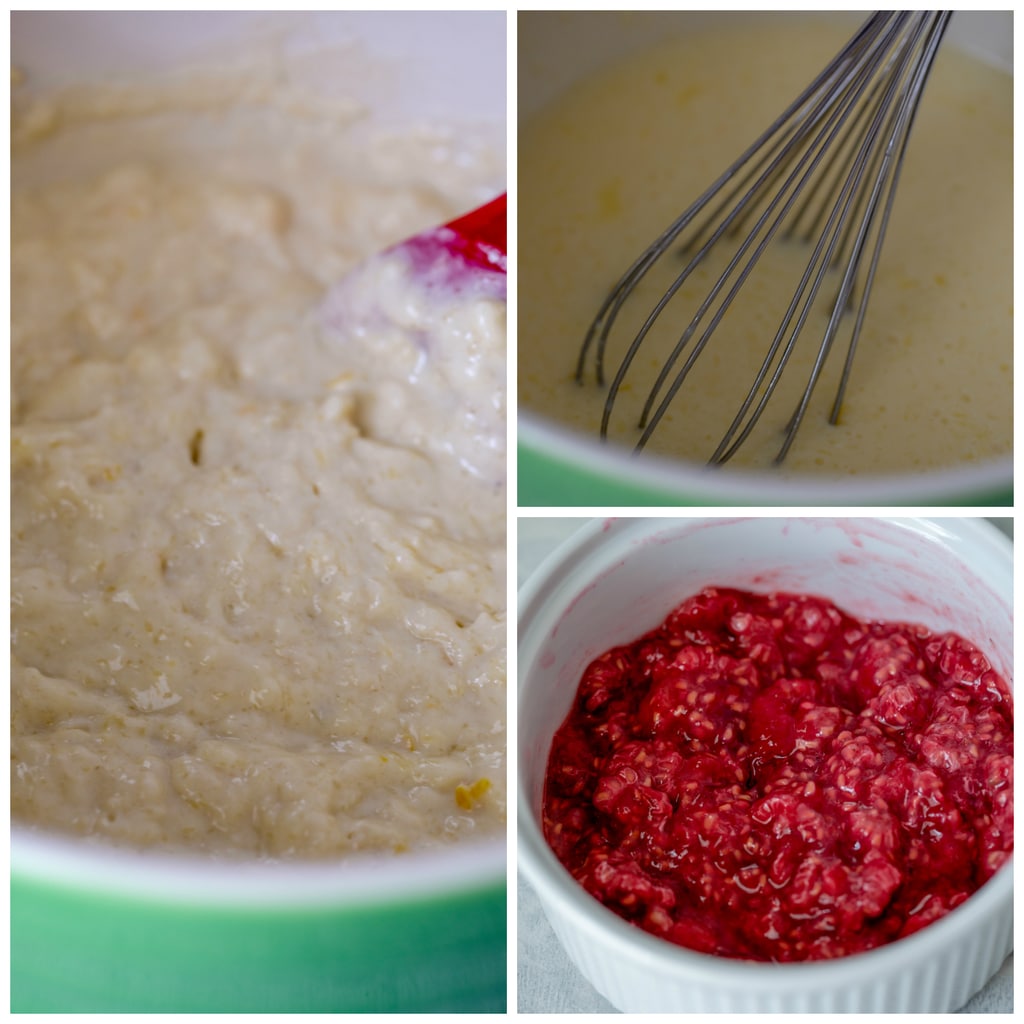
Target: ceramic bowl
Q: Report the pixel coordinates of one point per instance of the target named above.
(613, 581)
(103, 930)
(558, 466)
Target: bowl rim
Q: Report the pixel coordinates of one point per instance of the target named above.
(558, 890)
(100, 868)
(572, 451)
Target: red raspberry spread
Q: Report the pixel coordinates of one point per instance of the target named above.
(766, 777)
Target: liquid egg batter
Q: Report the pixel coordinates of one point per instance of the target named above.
(617, 157)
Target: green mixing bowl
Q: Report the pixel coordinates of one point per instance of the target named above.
(104, 930)
(558, 467)
(94, 929)
(561, 467)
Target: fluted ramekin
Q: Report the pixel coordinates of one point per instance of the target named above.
(616, 579)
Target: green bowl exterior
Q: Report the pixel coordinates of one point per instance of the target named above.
(76, 951)
(546, 481)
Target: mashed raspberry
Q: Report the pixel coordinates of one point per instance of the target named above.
(766, 777)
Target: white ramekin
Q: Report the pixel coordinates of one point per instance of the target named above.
(616, 579)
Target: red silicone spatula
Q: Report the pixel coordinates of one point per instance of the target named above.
(449, 367)
(466, 253)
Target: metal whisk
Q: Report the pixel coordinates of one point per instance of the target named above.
(825, 171)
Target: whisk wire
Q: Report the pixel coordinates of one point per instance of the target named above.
(848, 218)
(908, 113)
(805, 170)
(859, 65)
(844, 137)
(790, 142)
(601, 325)
(896, 134)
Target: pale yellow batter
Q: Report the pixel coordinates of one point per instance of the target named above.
(603, 170)
(258, 508)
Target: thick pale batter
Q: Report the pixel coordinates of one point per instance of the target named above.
(612, 161)
(258, 537)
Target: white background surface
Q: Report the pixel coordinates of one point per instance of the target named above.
(547, 982)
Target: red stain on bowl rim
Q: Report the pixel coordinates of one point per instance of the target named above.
(766, 777)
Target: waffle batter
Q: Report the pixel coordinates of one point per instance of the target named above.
(257, 514)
